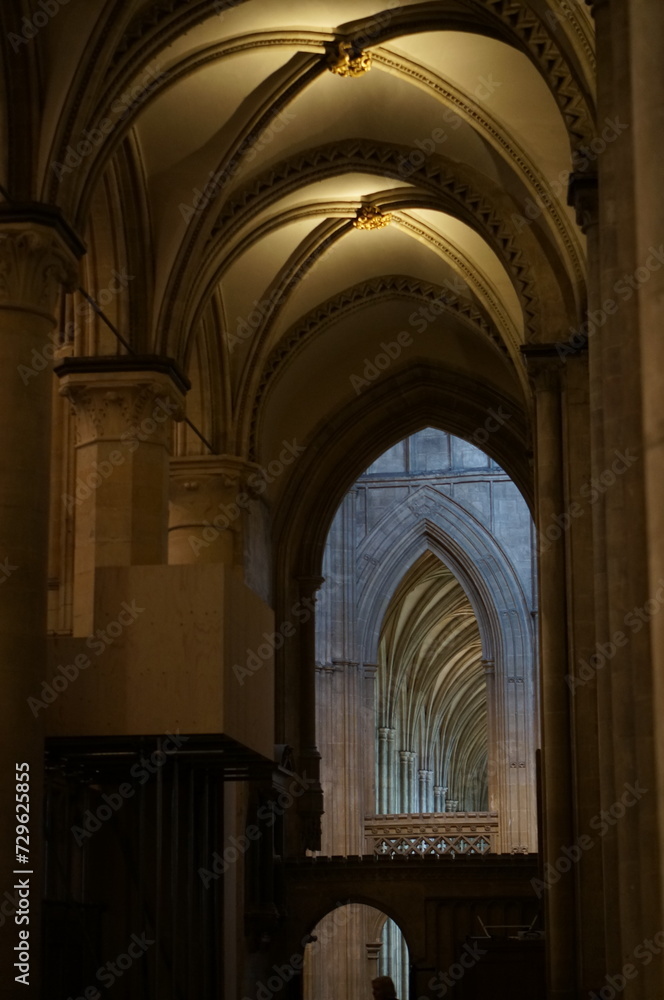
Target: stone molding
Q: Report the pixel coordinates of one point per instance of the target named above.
(123, 406)
(202, 486)
(34, 264)
(166, 19)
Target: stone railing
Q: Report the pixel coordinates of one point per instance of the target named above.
(442, 834)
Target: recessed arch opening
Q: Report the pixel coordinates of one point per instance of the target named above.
(425, 640)
(350, 946)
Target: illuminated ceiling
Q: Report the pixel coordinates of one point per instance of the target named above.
(235, 162)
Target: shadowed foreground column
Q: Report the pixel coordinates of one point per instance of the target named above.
(545, 369)
(37, 254)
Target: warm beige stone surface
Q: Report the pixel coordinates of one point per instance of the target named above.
(214, 167)
(181, 631)
(123, 421)
(34, 261)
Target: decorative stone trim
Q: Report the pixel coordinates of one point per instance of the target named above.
(436, 176)
(162, 20)
(352, 300)
(34, 264)
(401, 836)
(114, 402)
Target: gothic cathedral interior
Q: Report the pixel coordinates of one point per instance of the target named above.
(332, 499)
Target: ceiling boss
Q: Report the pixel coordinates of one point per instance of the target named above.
(371, 217)
(343, 62)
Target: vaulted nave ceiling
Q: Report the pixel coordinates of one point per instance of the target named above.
(431, 682)
(229, 189)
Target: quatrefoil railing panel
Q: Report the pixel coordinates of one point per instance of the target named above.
(423, 836)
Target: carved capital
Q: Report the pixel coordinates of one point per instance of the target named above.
(123, 406)
(211, 488)
(34, 263)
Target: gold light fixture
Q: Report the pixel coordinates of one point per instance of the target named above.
(341, 61)
(370, 217)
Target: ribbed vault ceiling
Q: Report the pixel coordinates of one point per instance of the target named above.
(431, 685)
(233, 162)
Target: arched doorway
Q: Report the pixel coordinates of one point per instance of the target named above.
(350, 946)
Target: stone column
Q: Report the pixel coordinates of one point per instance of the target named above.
(630, 213)
(407, 768)
(385, 755)
(545, 369)
(439, 793)
(493, 770)
(426, 790)
(367, 723)
(647, 27)
(373, 953)
(586, 558)
(310, 806)
(37, 254)
(123, 408)
(210, 497)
